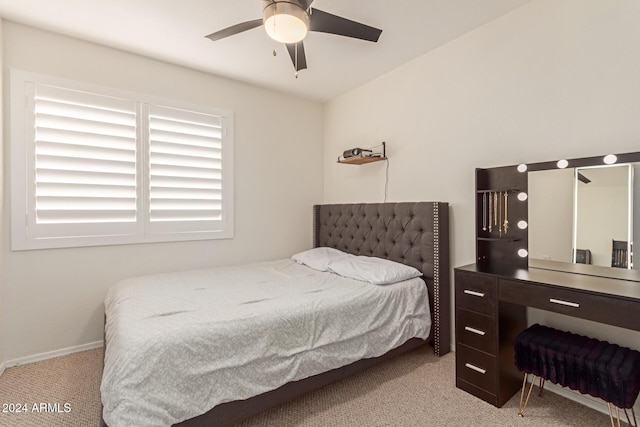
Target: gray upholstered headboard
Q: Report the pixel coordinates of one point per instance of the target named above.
(413, 233)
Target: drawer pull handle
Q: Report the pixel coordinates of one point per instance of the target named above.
(475, 368)
(474, 330)
(474, 293)
(561, 302)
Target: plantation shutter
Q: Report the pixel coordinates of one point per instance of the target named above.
(93, 166)
(85, 163)
(185, 190)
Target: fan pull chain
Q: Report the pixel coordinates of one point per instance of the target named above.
(274, 29)
(296, 60)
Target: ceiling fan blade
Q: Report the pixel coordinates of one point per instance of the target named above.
(235, 29)
(327, 23)
(302, 58)
(305, 4)
(583, 178)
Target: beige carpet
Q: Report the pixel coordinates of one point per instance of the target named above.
(73, 379)
(415, 389)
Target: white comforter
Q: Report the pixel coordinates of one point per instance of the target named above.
(181, 343)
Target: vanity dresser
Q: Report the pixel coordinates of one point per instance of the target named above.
(492, 295)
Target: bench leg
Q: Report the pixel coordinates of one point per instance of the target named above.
(541, 386)
(521, 408)
(611, 415)
(618, 415)
(633, 417)
(633, 422)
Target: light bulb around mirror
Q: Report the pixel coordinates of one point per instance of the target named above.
(522, 168)
(522, 196)
(522, 253)
(562, 163)
(610, 159)
(522, 225)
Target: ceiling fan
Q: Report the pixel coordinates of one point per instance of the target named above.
(288, 21)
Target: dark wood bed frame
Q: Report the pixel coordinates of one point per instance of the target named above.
(413, 233)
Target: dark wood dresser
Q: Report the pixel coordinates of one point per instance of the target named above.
(492, 296)
(491, 304)
(482, 366)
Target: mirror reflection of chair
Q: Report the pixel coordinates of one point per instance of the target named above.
(583, 256)
(619, 254)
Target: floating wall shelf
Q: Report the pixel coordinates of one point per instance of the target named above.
(361, 160)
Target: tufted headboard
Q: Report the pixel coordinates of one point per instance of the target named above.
(413, 233)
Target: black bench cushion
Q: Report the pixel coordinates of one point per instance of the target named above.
(598, 368)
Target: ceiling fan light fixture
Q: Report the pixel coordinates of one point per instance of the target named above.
(285, 22)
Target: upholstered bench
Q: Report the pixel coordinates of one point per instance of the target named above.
(597, 368)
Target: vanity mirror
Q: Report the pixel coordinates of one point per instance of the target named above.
(583, 211)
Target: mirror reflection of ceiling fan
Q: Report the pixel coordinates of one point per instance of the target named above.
(288, 21)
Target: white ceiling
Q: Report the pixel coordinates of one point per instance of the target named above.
(174, 30)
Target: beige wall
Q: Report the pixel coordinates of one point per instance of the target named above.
(54, 298)
(547, 81)
(550, 80)
(2, 233)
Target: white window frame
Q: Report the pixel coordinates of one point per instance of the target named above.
(22, 174)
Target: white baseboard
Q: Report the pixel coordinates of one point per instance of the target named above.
(51, 354)
(583, 399)
(2, 368)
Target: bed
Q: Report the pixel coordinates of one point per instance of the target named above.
(413, 234)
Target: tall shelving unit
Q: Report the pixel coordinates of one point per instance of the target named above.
(494, 243)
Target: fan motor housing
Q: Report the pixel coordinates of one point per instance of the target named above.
(285, 22)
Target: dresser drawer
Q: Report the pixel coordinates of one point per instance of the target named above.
(476, 330)
(605, 309)
(475, 292)
(477, 392)
(476, 367)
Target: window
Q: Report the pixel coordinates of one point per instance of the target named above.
(93, 166)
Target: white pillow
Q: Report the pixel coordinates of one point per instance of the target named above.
(376, 271)
(318, 258)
